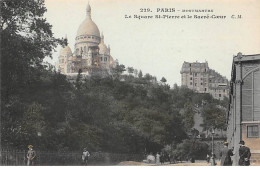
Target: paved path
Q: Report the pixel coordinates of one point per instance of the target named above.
(197, 163)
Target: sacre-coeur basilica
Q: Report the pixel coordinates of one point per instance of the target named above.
(91, 55)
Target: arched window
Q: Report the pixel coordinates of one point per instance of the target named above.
(85, 49)
(251, 96)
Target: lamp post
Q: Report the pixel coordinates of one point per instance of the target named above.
(212, 156)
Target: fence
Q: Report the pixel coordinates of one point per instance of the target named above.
(18, 158)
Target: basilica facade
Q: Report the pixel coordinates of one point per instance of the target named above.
(90, 55)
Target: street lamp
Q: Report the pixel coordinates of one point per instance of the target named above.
(212, 156)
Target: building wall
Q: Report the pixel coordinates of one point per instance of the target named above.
(244, 110)
(252, 143)
(200, 78)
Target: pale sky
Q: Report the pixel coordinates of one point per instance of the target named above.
(160, 46)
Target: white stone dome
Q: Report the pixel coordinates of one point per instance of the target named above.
(103, 50)
(88, 27)
(88, 30)
(65, 51)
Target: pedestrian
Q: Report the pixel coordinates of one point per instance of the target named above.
(213, 158)
(170, 158)
(192, 159)
(158, 158)
(85, 156)
(31, 154)
(225, 155)
(162, 158)
(208, 158)
(244, 154)
(151, 158)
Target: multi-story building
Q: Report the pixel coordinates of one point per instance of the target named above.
(244, 112)
(200, 78)
(91, 53)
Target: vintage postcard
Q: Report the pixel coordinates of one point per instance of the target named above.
(130, 83)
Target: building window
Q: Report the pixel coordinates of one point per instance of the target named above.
(205, 70)
(85, 49)
(224, 90)
(190, 73)
(190, 83)
(195, 84)
(101, 59)
(219, 95)
(205, 89)
(201, 83)
(195, 74)
(191, 78)
(105, 59)
(252, 131)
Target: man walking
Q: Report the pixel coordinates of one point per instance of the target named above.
(30, 155)
(225, 155)
(244, 154)
(208, 158)
(85, 156)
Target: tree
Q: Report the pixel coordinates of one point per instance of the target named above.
(26, 40)
(118, 70)
(130, 70)
(32, 125)
(79, 80)
(214, 117)
(140, 74)
(148, 77)
(163, 80)
(136, 72)
(188, 116)
(191, 148)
